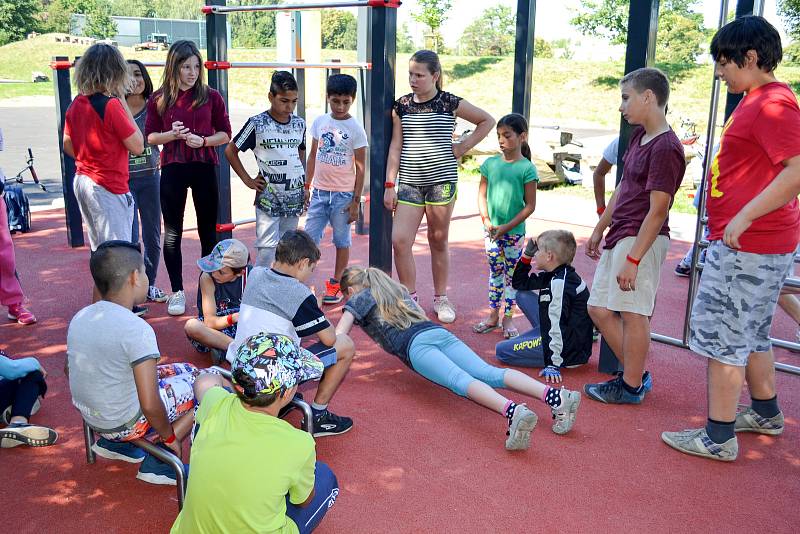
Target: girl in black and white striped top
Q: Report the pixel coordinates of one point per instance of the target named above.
(423, 153)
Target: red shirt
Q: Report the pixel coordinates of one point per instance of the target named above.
(761, 133)
(99, 152)
(657, 166)
(206, 120)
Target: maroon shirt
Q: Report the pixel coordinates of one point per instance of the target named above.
(206, 120)
(657, 166)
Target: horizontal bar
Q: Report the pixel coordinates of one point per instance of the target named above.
(791, 369)
(224, 10)
(214, 65)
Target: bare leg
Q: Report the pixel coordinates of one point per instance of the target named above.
(334, 375)
(760, 375)
(438, 218)
(635, 345)
(342, 259)
(791, 306)
(724, 388)
(209, 337)
(404, 231)
(487, 397)
(522, 383)
(610, 325)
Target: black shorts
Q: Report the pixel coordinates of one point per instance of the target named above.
(440, 194)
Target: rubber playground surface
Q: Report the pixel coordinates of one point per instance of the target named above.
(420, 459)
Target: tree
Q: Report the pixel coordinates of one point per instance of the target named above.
(433, 13)
(542, 48)
(789, 10)
(59, 13)
(680, 30)
(17, 19)
(133, 8)
(405, 43)
(99, 23)
(491, 34)
(255, 29)
(339, 30)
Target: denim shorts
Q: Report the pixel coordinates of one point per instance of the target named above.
(330, 207)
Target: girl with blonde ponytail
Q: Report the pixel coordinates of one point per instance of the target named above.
(386, 312)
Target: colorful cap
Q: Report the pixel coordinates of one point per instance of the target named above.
(227, 253)
(274, 363)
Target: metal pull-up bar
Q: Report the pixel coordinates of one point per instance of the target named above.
(224, 10)
(221, 65)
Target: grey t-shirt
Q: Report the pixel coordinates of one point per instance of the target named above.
(105, 342)
(145, 164)
(391, 339)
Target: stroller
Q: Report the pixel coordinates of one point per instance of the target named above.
(17, 204)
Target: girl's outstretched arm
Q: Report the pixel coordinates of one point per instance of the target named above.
(345, 323)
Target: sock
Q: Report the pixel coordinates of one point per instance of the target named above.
(509, 408)
(318, 408)
(720, 431)
(766, 408)
(630, 389)
(552, 397)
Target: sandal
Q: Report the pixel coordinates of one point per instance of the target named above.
(484, 327)
(508, 333)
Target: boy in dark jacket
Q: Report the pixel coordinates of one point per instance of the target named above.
(562, 330)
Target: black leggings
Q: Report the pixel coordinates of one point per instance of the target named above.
(176, 179)
(22, 393)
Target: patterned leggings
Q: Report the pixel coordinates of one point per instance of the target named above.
(175, 386)
(502, 254)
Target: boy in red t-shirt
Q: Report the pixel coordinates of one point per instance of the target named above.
(626, 280)
(754, 224)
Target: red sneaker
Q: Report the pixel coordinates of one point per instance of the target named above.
(333, 292)
(18, 312)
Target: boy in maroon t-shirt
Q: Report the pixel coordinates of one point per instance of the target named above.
(626, 280)
(754, 224)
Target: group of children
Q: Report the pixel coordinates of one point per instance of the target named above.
(257, 317)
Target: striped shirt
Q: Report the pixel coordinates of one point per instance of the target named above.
(427, 154)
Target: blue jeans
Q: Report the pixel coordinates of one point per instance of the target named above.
(444, 359)
(525, 350)
(146, 191)
(326, 489)
(329, 206)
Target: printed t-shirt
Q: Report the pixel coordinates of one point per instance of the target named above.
(657, 166)
(243, 466)
(337, 142)
(147, 163)
(505, 194)
(391, 339)
(99, 151)
(760, 134)
(276, 147)
(104, 343)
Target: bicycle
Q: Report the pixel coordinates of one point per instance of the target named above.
(16, 199)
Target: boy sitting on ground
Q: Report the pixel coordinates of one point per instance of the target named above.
(282, 488)
(219, 295)
(562, 330)
(114, 378)
(277, 300)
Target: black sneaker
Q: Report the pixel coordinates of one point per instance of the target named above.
(682, 270)
(330, 424)
(140, 311)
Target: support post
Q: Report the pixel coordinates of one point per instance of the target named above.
(362, 224)
(640, 52)
(523, 58)
(63, 93)
(297, 55)
(382, 54)
(217, 50)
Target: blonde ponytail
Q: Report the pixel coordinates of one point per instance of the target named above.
(389, 295)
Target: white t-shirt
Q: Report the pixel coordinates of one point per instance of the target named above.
(337, 143)
(104, 343)
(611, 151)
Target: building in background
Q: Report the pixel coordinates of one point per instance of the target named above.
(134, 30)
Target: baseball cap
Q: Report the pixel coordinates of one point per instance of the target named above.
(227, 253)
(273, 363)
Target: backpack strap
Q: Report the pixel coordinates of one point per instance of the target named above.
(99, 101)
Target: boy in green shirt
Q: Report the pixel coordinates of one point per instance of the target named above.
(251, 471)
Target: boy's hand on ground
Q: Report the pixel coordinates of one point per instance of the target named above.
(353, 210)
(551, 374)
(626, 278)
(593, 245)
(258, 183)
(390, 199)
(734, 230)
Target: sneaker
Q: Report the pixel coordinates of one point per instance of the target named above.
(682, 269)
(520, 427)
(748, 420)
(20, 314)
(333, 292)
(327, 423)
(156, 295)
(444, 309)
(647, 380)
(6, 417)
(564, 415)
(176, 303)
(612, 392)
(118, 450)
(140, 311)
(697, 443)
(17, 434)
(154, 471)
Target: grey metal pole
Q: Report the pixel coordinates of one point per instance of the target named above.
(523, 58)
(362, 224)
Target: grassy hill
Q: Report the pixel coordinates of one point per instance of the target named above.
(564, 91)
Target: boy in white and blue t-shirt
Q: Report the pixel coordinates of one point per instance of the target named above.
(336, 170)
(277, 139)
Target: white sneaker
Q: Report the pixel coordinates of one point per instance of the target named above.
(444, 309)
(176, 304)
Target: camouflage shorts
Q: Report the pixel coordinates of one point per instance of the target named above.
(733, 310)
(439, 194)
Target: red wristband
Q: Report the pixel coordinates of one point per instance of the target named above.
(170, 440)
(632, 260)
(600, 210)
(307, 186)
(229, 318)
